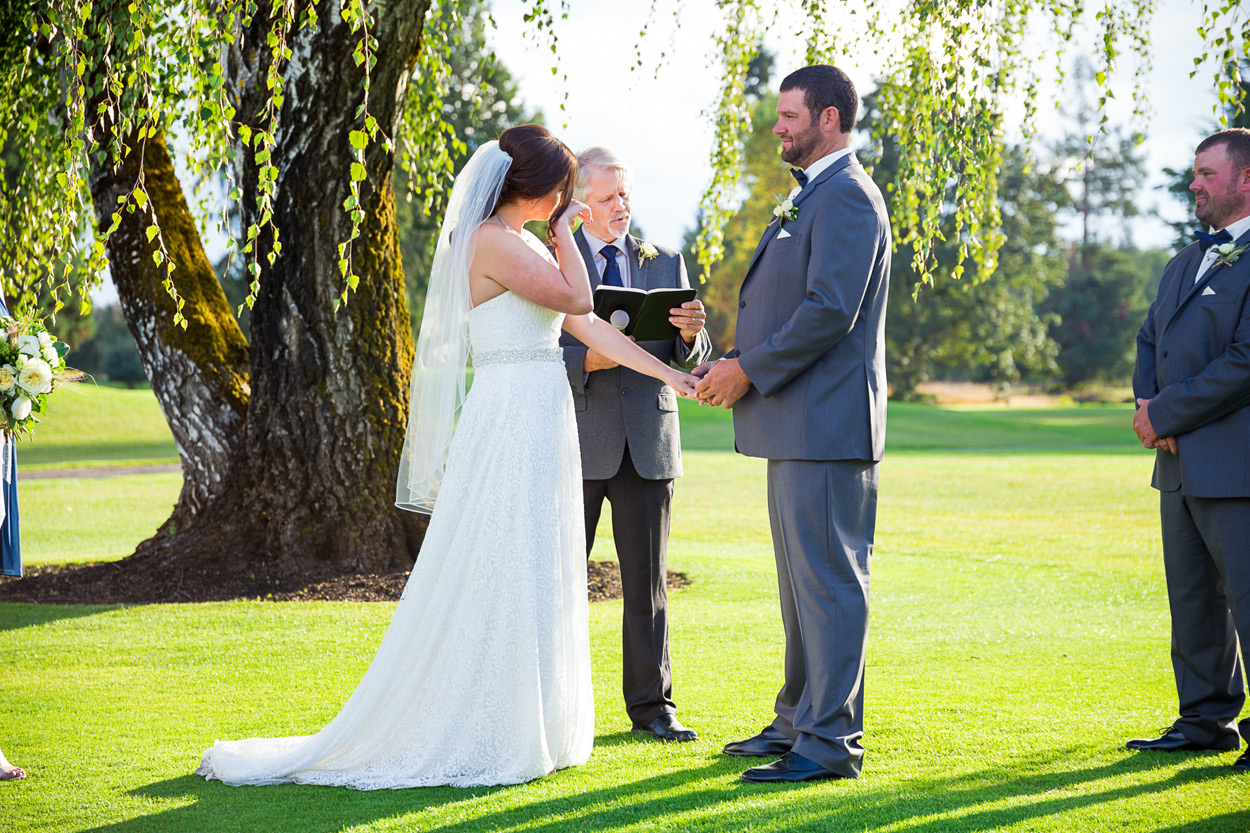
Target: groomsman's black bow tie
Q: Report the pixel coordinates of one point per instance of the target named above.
(1206, 241)
(612, 273)
(799, 174)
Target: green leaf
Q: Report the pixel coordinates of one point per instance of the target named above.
(358, 172)
(358, 139)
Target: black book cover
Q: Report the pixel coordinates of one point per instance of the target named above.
(645, 313)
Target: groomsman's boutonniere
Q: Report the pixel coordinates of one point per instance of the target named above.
(646, 252)
(1228, 253)
(785, 209)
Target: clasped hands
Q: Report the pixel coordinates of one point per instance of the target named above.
(721, 382)
(1146, 432)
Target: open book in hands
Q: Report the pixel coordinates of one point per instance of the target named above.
(639, 313)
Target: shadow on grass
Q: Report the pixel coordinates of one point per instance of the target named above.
(702, 797)
(15, 615)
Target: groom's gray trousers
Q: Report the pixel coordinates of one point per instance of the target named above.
(823, 515)
(1206, 558)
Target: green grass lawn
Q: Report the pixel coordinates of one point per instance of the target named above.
(1019, 636)
(99, 425)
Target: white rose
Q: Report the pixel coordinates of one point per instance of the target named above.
(45, 340)
(20, 408)
(8, 378)
(51, 356)
(35, 377)
(22, 358)
(1225, 248)
(29, 345)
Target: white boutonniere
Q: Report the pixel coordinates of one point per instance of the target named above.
(1229, 253)
(646, 252)
(785, 209)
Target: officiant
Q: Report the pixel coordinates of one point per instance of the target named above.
(630, 438)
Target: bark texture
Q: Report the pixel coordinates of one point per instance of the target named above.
(200, 374)
(312, 453)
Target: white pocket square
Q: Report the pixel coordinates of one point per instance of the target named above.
(782, 233)
(1206, 290)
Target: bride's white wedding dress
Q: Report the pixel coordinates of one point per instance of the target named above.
(483, 676)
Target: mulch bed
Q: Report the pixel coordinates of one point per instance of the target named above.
(118, 583)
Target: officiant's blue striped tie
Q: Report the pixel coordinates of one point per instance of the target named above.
(612, 272)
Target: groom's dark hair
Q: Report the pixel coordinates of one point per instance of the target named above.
(1237, 142)
(825, 86)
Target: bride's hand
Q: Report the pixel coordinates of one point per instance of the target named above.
(683, 383)
(570, 214)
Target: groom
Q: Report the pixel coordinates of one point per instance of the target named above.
(807, 385)
(627, 425)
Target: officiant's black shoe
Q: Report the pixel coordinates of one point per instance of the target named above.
(793, 768)
(666, 727)
(767, 744)
(1171, 741)
(1242, 764)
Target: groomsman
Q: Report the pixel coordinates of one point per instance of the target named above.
(807, 385)
(630, 441)
(1192, 384)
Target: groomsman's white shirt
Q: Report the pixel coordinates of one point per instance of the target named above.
(601, 262)
(813, 170)
(1236, 229)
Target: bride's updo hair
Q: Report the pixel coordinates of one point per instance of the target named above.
(541, 163)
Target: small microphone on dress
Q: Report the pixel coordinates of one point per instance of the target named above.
(619, 319)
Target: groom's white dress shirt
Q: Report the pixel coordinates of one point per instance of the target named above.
(813, 170)
(601, 262)
(1236, 229)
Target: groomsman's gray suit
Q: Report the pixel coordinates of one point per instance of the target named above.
(1193, 363)
(631, 451)
(811, 338)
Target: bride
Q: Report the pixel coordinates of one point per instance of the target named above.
(483, 676)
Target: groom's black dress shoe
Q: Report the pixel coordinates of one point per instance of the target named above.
(767, 744)
(1242, 764)
(666, 727)
(1171, 741)
(793, 768)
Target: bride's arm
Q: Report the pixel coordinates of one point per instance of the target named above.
(503, 258)
(602, 337)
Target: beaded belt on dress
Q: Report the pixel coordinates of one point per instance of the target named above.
(539, 354)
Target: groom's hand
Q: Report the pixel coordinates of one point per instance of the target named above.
(723, 383)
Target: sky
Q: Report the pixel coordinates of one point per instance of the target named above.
(655, 120)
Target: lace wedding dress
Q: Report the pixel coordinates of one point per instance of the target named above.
(483, 676)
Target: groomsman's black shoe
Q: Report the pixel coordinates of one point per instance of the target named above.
(767, 744)
(666, 727)
(793, 768)
(1172, 741)
(1242, 764)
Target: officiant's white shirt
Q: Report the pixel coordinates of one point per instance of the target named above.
(1236, 229)
(814, 170)
(601, 262)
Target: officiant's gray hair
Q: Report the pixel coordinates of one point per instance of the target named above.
(601, 158)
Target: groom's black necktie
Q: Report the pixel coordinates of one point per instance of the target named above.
(611, 273)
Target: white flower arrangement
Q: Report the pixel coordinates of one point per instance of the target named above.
(32, 365)
(785, 209)
(1229, 253)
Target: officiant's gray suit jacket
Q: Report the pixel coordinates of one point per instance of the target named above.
(620, 405)
(811, 323)
(1193, 363)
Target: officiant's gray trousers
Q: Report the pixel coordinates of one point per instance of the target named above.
(1206, 558)
(640, 521)
(823, 515)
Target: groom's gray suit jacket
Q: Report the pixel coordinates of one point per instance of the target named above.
(1193, 363)
(618, 405)
(811, 324)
